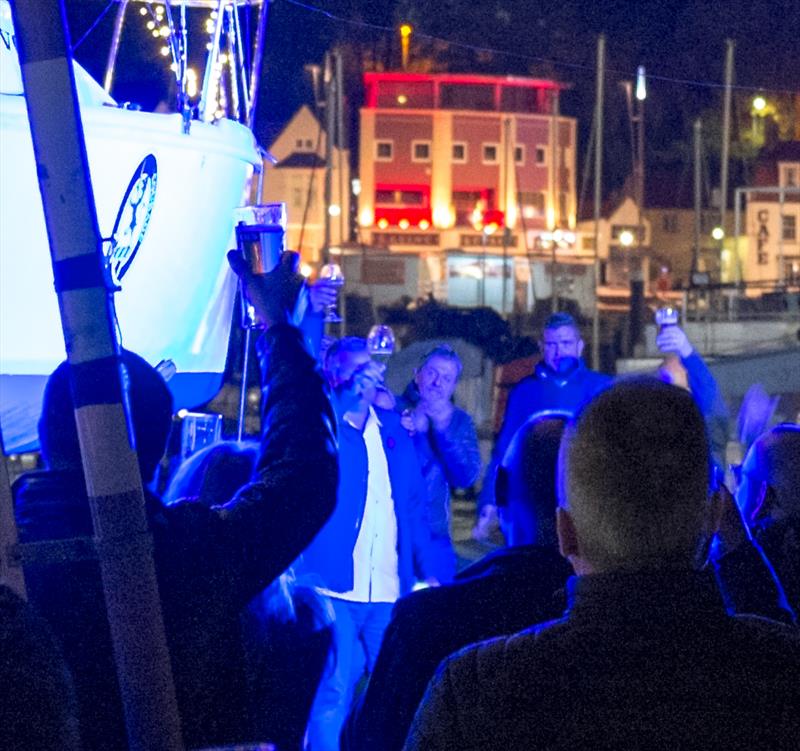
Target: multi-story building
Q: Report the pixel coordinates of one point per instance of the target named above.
(298, 179)
(476, 176)
(768, 244)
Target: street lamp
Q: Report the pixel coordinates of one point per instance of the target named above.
(405, 40)
(626, 238)
(717, 233)
(757, 112)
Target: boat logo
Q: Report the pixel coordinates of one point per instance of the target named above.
(132, 219)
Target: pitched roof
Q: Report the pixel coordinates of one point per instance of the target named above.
(304, 159)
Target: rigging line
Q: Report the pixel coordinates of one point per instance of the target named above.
(533, 58)
(94, 25)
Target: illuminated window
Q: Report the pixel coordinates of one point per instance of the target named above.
(384, 151)
(490, 153)
(519, 155)
(420, 151)
(460, 152)
(532, 203)
(789, 227)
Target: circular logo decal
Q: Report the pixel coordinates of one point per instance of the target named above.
(132, 218)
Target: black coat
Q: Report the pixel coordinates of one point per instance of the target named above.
(210, 562)
(642, 660)
(504, 592)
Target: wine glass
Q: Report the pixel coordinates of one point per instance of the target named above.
(332, 274)
(380, 342)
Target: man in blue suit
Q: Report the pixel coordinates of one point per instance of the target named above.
(375, 546)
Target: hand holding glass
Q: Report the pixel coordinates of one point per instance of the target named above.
(332, 273)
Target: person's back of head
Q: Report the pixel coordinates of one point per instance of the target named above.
(526, 480)
(151, 415)
(214, 474)
(633, 480)
(770, 480)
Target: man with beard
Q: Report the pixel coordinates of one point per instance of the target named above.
(560, 381)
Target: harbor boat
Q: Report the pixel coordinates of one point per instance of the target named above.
(166, 186)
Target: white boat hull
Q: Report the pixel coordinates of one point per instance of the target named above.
(177, 294)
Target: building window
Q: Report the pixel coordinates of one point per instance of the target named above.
(298, 143)
(460, 152)
(420, 151)
(384, 151)
(490, 153)
(398, 197)
(669, 223)
(465, 202)
(562, 207)
(708, 220)
(519, 155)
(531, 203)
(541, 156)
(789, 176)
(789, 227)
(298, 199)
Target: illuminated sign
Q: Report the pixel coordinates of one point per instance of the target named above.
(493, 241)
(385, 239)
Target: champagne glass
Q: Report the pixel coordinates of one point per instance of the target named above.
(380, 342)
(332, 273)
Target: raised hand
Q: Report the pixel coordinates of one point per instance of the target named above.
(276, 296)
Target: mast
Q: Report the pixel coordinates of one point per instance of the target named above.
(113, 481)
(119, 22)
(598, 192)
(726, 134)
(329, 84)
(698, 196)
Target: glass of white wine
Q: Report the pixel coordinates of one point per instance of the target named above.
(332, 274)
(380, 342)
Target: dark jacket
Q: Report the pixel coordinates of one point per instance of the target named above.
(329, 558)
(544, 389)
(641, 660)
(448, 459)
(504, 592)
(209, 561)
(38, 708)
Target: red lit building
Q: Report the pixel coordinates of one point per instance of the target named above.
(451, 164)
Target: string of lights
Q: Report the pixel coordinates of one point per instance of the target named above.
(532, 58)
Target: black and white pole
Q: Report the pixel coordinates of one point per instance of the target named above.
(113, 482)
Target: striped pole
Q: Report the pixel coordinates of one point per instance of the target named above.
(113, 482)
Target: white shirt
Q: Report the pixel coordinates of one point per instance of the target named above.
(375, 575)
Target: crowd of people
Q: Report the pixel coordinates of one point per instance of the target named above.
(309, 581)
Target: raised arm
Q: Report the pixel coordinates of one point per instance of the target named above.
(254, 537)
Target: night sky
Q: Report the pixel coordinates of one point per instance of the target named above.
(681, 42)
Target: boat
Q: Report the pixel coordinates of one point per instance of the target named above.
(166, 187)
